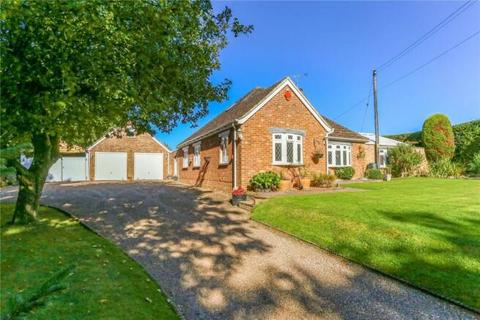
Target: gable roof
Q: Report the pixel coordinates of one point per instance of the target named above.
(247, 106)
(343, 133)
(384, 141)
(226, 118)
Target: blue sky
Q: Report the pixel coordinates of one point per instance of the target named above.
(337, 44)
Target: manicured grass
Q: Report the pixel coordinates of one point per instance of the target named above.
(426, 231)
(105, 284)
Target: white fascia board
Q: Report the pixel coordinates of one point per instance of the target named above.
(96, 143)
(301, 96)
(161, 144)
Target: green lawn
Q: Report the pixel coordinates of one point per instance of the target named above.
(105, 284)
(426, 231)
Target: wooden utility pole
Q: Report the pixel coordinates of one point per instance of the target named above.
(375, 111)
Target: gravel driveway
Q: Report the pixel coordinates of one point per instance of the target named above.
(214, 263)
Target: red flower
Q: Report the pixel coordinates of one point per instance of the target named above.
(238, 192)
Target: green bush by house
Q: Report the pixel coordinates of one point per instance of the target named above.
(445, 168)
(374, 174)
(345, 173)
(404, 160)
(323, 180)
(474, 165)
(265, 181)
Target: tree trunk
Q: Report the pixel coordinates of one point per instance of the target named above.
(31, 181)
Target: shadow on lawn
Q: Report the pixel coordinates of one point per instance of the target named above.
(197, 248)
(445, 262)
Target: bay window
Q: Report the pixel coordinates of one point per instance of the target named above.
(196, 155)
(339, 154)
(287, 148)
(185, 157)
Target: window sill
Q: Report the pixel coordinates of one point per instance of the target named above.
(340, 166)
(223, 163)
(287, 164)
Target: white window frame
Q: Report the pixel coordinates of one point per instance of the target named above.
(223, 154)
(345, 154)
(284, 138)
(185, 158)
(197, 159)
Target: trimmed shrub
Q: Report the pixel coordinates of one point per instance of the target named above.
(265, 181)
(375, 174)
(404, 160)
(438, 138)
(323, 180)
(467, 141)
(474, 165)
(345, 173)
(445, 168)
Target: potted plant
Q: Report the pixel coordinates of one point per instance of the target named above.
(239, 194)
(304, 178)
(285, 183)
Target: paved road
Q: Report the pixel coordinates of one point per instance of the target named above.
(214, 263)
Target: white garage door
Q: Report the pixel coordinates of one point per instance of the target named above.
(68, 169)
(148, 166)
(74, 168)
(110, 166)
(55, 172)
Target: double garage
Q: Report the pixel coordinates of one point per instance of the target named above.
(139, 157)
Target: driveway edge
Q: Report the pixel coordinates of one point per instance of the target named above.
(374, 270)
(72, 216)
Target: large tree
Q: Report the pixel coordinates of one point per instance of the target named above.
(438, 138)
(72, 70)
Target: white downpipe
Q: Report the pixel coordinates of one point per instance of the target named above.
(326, 153)
(234, 156)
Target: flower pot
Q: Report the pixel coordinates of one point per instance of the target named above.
(237, 199)
(305, 183)
(284, 185)
(387, 177)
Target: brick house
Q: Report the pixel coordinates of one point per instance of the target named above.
(273, 128)
(122, 156)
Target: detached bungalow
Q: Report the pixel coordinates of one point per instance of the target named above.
(273, 128)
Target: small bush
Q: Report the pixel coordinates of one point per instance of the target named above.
(445, 169)
(345, 173)
(265, 181)
(404, 160)
(375, 174)
(474, 165)
(323, 180)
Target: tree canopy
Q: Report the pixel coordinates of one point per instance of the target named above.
(72, 70)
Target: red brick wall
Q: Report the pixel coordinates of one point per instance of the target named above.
(140, 143)
(256, 146)
(216, 176)
(360, 159)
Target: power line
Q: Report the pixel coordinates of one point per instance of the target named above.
(351, 108)
(430, 61)
(427, 35)
(366, 109)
